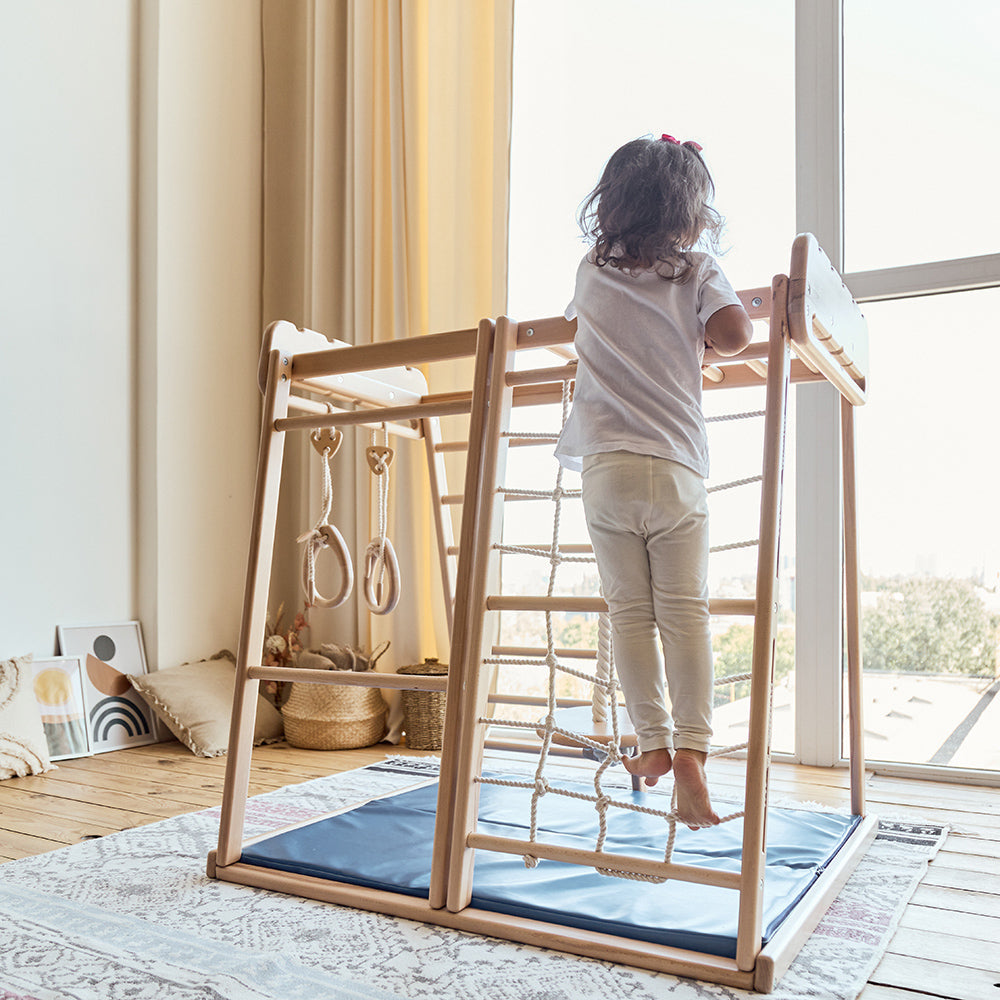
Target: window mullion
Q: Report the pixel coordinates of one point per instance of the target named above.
(819, 529)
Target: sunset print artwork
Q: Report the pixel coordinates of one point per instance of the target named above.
(58, 687)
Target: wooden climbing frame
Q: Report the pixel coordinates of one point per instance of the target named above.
(816, 334)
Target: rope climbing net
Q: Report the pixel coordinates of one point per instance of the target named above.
(602, 679)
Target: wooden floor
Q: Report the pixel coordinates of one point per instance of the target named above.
(948, 944)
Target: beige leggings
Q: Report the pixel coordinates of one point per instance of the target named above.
(648, 522)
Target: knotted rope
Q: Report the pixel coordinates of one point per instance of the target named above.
(325, 535)
(382, 578)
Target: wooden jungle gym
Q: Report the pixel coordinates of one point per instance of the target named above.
(816, 334)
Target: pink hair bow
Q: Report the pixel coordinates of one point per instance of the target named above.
(677, 142)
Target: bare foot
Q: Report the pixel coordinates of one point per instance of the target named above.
(651, 765)
(693, 804)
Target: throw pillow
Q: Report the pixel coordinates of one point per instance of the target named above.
(23, 749)
(195, 702)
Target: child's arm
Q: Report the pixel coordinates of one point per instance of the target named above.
(728, 330)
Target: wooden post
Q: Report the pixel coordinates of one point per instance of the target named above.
(465, 616)
(748, 941)
(252, 624)
(852, 610)
(468, 745)
(443, 531)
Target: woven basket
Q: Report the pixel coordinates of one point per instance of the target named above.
(323, 717)
(332, 716)
(423, 711)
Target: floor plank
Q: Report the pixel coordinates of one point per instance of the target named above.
(22, 845)
(942, 921)
(975, 846)
(938, 946)
(53, 806)
(61, 829)
(936, 979)
(182, 777)
(976, 904)
(960, 860)
(875, 992)
(957, 878)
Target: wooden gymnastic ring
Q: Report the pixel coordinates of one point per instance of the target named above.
(327, 536)
(389, 595)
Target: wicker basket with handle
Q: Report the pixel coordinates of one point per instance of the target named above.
(423, 711)
(333, 716)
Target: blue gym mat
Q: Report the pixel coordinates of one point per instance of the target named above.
(386, 844)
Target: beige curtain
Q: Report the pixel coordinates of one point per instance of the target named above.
(387, 126)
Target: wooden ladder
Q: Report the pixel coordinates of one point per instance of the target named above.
(770, 365)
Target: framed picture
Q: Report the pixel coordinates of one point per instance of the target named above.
(116, 714)
(58, 687)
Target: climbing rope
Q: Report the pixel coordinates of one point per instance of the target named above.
(735, 416)
(382, 578)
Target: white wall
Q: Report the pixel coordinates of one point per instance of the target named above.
(67, 409)
(129, 318)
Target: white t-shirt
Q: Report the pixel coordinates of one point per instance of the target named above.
(641, 341)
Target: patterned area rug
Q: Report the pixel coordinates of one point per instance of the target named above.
(132, 915)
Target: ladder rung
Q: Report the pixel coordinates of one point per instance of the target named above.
(536, 376)
(541, 652)
(453, 499)
(540, 701)
(527, 745)
(513, 442)
(544, 548)
(306, 405)
(385, 414)
(600, 859)
(368, 357)
(595, 605)
(351, 678)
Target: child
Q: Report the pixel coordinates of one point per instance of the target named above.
(646, 305)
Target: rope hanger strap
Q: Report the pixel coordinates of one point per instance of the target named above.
(325, 535)
(382, 577)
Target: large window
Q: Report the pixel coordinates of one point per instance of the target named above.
(930, 554)
(919, 155)
(921, 88)
(866, 124)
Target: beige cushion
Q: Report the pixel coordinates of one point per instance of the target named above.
(195, 702)
(23, 749)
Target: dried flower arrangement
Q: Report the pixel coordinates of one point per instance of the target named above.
(281, 647)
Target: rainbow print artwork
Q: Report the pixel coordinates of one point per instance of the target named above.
(116, 716)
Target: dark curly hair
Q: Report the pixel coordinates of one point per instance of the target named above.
(650, 207)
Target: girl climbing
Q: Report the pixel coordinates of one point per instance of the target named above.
(646, 304)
